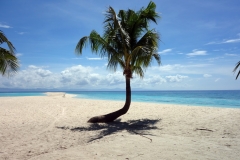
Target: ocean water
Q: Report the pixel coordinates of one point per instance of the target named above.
(224, 98)
(19, 94)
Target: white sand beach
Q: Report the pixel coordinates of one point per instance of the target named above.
(54, 127)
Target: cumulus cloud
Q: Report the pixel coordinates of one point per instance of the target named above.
(75, 77)
(148, 82)
(196, 52)
(114, 78)
(32, 77)
(154, 80)
(82, 82)
(82, 77)
(176, 78)
(43, 73)
(32, 67)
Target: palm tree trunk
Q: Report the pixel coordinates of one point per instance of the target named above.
(114, 115)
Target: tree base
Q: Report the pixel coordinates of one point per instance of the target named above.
(108, 117)
(98, 119)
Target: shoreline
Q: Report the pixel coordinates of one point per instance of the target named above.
(55, 127)
(160, 103)
(65, 94)
(201, 103)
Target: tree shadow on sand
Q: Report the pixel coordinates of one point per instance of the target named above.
(140, 127)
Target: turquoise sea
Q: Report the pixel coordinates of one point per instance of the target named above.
(216, 98)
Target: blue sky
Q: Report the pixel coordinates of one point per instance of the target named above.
(200, 44)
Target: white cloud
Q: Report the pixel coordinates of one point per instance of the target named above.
(43, 73)
(165, 51)
(181, 69)
(207, 75)
(214, 59)
(4, 26)
(88, 77)
(213, 42)
(80, 77)
(152, 80)
(237, 40)
(84, 78)
(32, 67)
(75, 77)
(77, 58)
(32, 77)
(232, 41)
(169, 67)
(113, 79)
(196, 52)
(19, 54)
(218, 79)
(227, 54)
(94, 58)
(21, 33)
(176, 78)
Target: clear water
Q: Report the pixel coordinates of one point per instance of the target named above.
(225, 99)
(19, 94)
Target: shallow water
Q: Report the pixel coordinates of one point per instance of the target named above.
(226, 99)
(219, 98)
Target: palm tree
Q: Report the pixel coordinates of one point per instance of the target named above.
(237, 65)
(8, 61)
(127, 42)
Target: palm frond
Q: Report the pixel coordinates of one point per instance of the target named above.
(235, 69)
(98, 45)
(138, 71)
(145, 50)
(8, 62)
(157, 58)
(3, 39)
(127, 40)
(115, 21)
(149, 12)
(114, 61)
(80, 45)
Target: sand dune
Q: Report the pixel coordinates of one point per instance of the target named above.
(55, 127)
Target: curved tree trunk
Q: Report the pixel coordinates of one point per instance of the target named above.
(114, 115)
